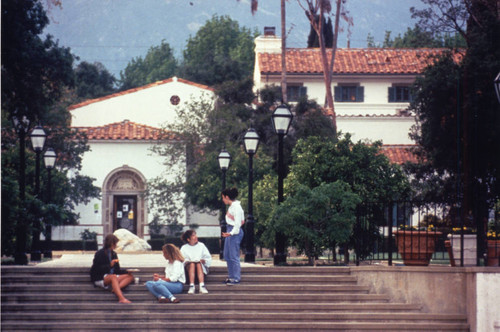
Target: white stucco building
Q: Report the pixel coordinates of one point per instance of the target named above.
(370, 86)
(121, 129)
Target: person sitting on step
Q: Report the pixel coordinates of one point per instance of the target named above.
(106, 271)
(197, 260)
(164, 287)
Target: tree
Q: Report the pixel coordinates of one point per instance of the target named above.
(220, 51)
(313, 41)
(34, 70)
(93, 81)
(37, 78)
(457, 110)
(321, 8)
(158, 64)
(313, 219)
(366, 171)
(417, 37)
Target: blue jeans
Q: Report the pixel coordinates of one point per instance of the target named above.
(232, 254)
(164, 288)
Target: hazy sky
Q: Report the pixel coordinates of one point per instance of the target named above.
(113, 32)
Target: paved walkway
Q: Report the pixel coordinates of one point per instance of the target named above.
(148, 259)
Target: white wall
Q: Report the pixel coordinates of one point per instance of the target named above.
(104, 157)
(391, 130)
(150, 106)
(488, 303)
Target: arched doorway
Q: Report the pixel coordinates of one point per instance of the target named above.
(123, 201)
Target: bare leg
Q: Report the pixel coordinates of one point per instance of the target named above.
(199, 272)
(112, 279)
(190, 269)
(124, 280)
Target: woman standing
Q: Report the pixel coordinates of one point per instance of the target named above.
(106, 271)
(235, 218)
(164, 287)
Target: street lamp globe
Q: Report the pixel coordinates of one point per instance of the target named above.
(21, 124)
(282, 118)
(224, 159)
(251, 140)
(38, 137)
(49, 158)
(497, 86)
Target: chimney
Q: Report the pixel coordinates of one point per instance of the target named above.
(269, 31)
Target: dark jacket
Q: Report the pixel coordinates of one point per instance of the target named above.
(102, 265)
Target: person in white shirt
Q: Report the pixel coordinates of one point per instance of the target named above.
(164, 287)
(197, 260)
(235, 218)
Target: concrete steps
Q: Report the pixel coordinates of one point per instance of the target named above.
(268, 299)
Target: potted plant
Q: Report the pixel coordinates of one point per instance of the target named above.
(416, 246)
(493, 237)
(87, 236)
(470, 245)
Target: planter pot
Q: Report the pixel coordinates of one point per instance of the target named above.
(416, 247)
(470, 249)
(493, 253)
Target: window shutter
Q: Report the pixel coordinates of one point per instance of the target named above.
(392, 94)
(303, 92)
(360, 94)
(338, 93)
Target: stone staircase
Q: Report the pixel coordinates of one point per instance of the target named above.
(268, 299)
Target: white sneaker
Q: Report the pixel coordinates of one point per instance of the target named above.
(203, 290)
(191, 290)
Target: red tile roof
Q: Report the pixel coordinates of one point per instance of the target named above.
(352, 60)
(400, 154)
(121, 93)
(124, 130)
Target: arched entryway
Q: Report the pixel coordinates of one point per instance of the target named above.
(123, 201)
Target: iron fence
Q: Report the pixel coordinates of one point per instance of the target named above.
(447, 233)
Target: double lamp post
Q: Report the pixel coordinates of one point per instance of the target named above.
(281, 119)
(38, 138)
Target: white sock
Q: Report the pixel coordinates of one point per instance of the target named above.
(191, 285)
(202, 284)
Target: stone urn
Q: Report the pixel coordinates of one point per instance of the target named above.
(416, 247)
(470, 248)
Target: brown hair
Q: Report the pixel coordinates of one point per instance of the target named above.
(232, 193)
(172, 253)
(187, 234)
(110, 240)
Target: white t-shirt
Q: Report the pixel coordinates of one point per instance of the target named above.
(175, 271)
(235, 217)
(196, 253)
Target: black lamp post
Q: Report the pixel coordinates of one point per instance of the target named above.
(21, 126)
(49, 159)
(497, 86)
(251, 141)
(38, 137)
(224, 159)
(282, 118)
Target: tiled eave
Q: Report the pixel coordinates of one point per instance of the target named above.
(400, 153)
(351, 61)
(124, 131)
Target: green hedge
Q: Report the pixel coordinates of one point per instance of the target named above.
(211, 243)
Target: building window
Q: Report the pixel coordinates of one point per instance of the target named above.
(295, 92)
(400, 94)
(349, 93)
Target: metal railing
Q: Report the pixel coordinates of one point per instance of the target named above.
(374, 236)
